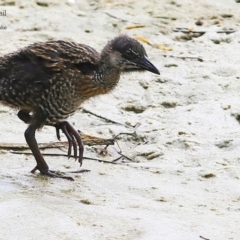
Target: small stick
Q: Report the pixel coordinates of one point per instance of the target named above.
(204, 238)
(120, 153)
(134, 133)
(124, 20)
(65, 155)
(93, 159)
(112, 16)
(87, 139)
(99, 116)
(194, 58)
(186, 30)
(124, 133)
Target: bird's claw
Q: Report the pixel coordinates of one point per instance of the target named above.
(74, 140)
(51, 173)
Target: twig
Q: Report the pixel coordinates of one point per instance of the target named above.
(87, 158)
(104, 118)
(182, 57)
(124, 156)
(204, 238)
(114, 162)
(186, 30)
(92, 140)
(124, 133)
(134, 133)
(127, 133)
(123, 20)
(87, 140)
(65, 155)
(112, 16)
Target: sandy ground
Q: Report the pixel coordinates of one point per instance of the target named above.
(183, 181)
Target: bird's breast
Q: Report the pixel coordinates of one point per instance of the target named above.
(96, 84)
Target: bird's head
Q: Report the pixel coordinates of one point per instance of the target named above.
(128, 55)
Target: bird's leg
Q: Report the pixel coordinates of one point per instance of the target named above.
(41, 164)
(27, 118)
(24, 116)
(74, 140)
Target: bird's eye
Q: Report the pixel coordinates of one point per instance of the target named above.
(129, 54)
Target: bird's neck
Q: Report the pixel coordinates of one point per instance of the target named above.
(106, 76)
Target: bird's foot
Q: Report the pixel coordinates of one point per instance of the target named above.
(51, 173)
(74, 140)
(56, 174)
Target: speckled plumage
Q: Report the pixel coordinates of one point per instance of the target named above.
(45, 76)
(49, 81)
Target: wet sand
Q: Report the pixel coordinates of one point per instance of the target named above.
(183, 178)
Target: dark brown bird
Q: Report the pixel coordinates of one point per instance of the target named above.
(49, 81)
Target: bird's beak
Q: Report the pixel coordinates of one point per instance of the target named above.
(145, 64)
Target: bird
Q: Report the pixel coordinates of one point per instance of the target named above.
(48, 81)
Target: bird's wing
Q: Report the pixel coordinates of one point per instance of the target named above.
(39, 65)
(59, 55)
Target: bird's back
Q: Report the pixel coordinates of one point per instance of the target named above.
(46, 73)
